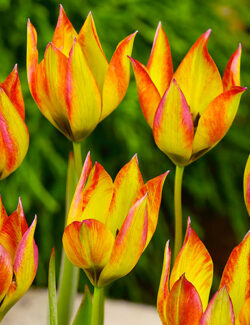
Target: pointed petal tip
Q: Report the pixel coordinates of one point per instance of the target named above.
(207, 33)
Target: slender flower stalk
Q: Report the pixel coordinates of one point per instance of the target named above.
(69, 276)
(178, 209)
(97, 317)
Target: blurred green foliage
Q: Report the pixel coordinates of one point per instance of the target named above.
(212, 193)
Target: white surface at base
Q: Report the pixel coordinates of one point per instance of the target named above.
(32, 309)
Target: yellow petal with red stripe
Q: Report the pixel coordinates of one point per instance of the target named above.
(247, 185)
(160, 65)
(25, 267)
(236, 274)
(195, 261)
(82, 95)
(198, 77)
(184, 306)
(149, 96)
(93, 201)
(173, 126)
(64, 34)
(154, 190)
(117, 77)
(92, 49)
(127, 186)
(14, 136)
(88, 245)
(3, 213)
(216, 121)
(163, 291)
(231, 77)
(129, 244)
(244, 315)
(32, 60)
(12, 88)
(219, 310)
(6, 271)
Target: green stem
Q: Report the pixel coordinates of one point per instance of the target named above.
(98, 307)
(178, 209)
(69, 276)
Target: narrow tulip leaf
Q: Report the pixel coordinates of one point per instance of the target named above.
(83, 315)
(52, 311)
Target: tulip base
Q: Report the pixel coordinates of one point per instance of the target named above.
(178, 209)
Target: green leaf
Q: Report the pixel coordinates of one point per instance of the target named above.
(83, 315)
(52, 312)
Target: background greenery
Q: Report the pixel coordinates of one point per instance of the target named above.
(212, 191)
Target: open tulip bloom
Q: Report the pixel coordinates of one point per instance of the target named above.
(14, 135)
(191, 109)
(111, 223)
(18, 257)
(74, 86)
(183, 295)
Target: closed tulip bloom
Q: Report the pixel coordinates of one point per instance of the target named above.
(191, 109)
(111, 223)
(184, 292)
(14, 135)
(74, 86)
(18, 257)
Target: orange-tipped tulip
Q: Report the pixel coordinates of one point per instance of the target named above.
(14, 135)
(247, 185)
(184, 292)
(192, 109)
(74, 86)
(18, 257)
(111, 223)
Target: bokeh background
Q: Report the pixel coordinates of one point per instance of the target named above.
(212, 187)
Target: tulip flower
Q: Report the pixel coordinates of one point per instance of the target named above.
(74, 86)
(111, 223)
(184, 292)
(14, 135)
(18, 257)
(191, 109)
(247, 185)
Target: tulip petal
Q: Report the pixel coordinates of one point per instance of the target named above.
(154, 190)
(184, 306)
(88, 245)
(173, 126)
(244, 315)
(6, 272)
(195, 261)
(32, 59)
(13, 148)
(247, 185)
(216, 121)
(92, 49)
(231, 77)
(64, 34)
(198, 77)
(117, 77)
(129, 244)
(163, 291)
(82, 95)
(25, 267)
(160, 65)
(236, 275)
(95, 198)
(3, 213)
(127, 186)
(149, 96)
(219, 310)
(12, 87)
(76, 205)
